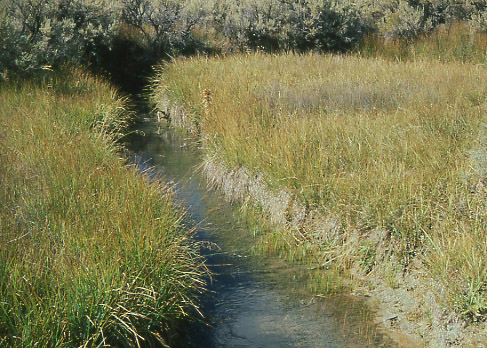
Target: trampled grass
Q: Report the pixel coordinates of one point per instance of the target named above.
(392, 149)
(91, 253)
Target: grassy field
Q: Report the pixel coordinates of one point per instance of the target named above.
(452, 42)
(91, 252)
(393, 150)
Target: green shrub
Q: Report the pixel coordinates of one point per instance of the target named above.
(134, 34)
(280, 24)
(36, 33)
(40, 32)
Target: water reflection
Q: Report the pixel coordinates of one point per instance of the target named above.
(254, 301)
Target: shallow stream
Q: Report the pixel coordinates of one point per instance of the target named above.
(254, 301)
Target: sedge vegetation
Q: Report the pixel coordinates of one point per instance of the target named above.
(394, 151)
(91, 252)
(454, 41)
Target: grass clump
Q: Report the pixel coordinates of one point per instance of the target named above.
(385, 149)
(91, 253)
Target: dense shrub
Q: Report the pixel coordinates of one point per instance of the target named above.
(125, 35)
(334, 25)
(281, 24)
(36, 33)
(405, 21)
(42, 32)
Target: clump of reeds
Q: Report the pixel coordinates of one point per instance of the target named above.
(91, 253)
(384, 146)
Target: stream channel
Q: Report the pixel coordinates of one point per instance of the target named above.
(253, 301)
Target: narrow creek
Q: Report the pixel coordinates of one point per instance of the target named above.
(254, 301)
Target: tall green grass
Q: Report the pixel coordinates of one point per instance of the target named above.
(91, 253)
(385, 148)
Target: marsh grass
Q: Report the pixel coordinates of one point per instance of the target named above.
(91, 253)
(387, 147)
(454, 41)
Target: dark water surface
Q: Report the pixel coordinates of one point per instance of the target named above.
(255, 302)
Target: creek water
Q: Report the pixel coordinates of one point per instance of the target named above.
(253, 301)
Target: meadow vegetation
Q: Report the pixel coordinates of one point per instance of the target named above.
(91, 252)
(452, 42)
(389, 144)
(393, 150)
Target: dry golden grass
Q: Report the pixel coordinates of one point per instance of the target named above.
(454, 41)
(384, 145)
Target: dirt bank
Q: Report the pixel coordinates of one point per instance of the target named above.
(404, 297)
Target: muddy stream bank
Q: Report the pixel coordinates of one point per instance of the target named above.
(253, 300)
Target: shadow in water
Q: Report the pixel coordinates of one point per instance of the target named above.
(253, 301)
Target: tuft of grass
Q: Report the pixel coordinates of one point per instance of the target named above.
(91, 253)
(383, 145)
